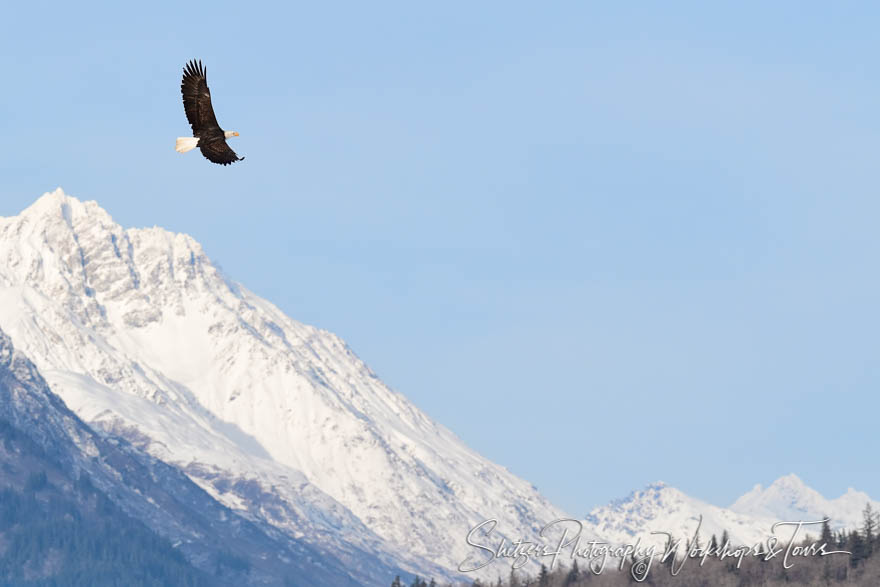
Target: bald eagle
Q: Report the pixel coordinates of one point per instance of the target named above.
(207, 134)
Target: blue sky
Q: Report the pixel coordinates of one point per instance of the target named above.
(605, 244)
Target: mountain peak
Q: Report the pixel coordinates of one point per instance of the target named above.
(54, 198)
(789, 498)
(790, 481)
(72, 250)
(59, 205)
(788, 488)
(659, 508)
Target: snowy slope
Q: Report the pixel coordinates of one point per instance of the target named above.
(143, 336)
(789, 498)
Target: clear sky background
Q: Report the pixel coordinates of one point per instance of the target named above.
(604, 243)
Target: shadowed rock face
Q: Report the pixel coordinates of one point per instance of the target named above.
(42, 436)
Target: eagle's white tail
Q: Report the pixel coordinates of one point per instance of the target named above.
(185, 144)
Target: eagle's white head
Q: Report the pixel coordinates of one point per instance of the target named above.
(230, 133)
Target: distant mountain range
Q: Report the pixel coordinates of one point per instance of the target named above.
(660, 508)
(247, 427)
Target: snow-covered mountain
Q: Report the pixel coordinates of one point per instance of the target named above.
(143, 337)
(789, 498)
(660, 508)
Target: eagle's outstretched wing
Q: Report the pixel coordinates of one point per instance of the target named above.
(197, 100)
(218, 151)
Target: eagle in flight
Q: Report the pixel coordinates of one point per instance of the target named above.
(207, 134)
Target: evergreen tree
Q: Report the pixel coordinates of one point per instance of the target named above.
(869, 528)
(544, 577)
(670, 560)
(514, 580)
(573, 574)
(827, 537)
(396, 582)
(857, 548)
(842, 539)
